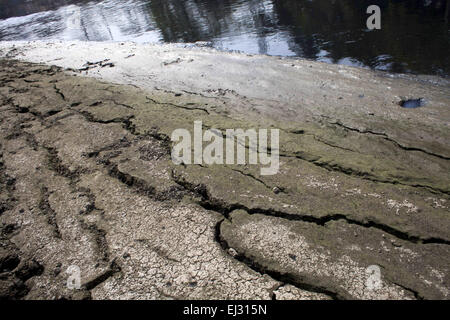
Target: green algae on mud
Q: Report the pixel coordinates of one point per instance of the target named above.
(348, 197)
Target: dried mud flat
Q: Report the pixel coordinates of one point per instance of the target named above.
(86, 180)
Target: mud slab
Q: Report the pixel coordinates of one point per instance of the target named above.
(87, 178)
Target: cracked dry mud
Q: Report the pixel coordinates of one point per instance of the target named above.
(86, 180)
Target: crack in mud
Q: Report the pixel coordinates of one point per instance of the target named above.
(209, 203)
(360, 174)
(176, 105)
(48, 211)
(315, 160)
(416, 294)
(283, 278)
(273, 189)
(59, 92)
(100, 239)
(386, 137)
(56, 165)
(113, 269)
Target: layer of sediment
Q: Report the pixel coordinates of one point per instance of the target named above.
(87, 179)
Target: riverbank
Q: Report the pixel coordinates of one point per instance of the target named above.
(87, 178)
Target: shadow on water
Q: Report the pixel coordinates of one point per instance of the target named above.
(414, 35)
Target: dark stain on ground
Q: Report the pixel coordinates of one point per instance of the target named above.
(413, 103)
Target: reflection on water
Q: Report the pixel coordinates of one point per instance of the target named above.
(414, 35)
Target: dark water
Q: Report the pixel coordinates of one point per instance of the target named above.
(414, 35)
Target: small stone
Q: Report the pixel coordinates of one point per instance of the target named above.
(57, 269)
(232, 252)
(9, 262)
(10, 228)
(126, 255)
(395, 244)
(29, 269)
